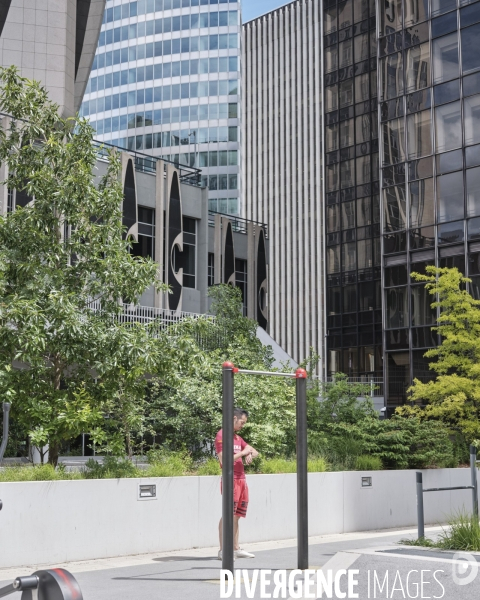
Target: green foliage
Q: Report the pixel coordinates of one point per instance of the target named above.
(454, 396)
(111, 468)
(57, 254)
(210, 466)
(278, 465)
(168, 464)
(365, 462)
(186, 404)
(35, 473)
(462, 534)
(317, 465)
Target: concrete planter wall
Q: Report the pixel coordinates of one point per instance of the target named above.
(45, 522)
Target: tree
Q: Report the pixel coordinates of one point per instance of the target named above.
(64, 366)
(454, 396)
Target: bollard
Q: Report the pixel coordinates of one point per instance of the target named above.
(302, 469)
(227, 468)
(473, 471)
(420, 517)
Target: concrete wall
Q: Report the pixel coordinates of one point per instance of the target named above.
(45, 522)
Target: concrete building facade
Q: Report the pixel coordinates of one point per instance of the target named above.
(53, 42)
(282, 166)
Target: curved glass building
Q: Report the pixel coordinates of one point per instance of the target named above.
(165, 81)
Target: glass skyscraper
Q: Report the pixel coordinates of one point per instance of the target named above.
(165, 81)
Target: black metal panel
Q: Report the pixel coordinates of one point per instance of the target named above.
(174, 230)
(228, 255)
(129, 208)
(261, 280)
(4, 8)
(22, 198)
(83, 8)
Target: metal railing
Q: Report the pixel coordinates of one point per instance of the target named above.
(376, 383)
(239, 224)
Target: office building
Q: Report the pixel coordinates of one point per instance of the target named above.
(165, 81)
(52, 42)
(282, 166)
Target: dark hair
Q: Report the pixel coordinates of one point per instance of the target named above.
(239, 412)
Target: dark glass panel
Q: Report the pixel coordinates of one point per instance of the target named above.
(444, 24)
(423, 237)
(421, 310)
(472, 156)
(449, 161)
(445, 58)
(447, 92)
(450, 197)
(397, 339)
(420, 169)
(396, 275)
(470, 53)
(474, 229)
(452, 262)
(394, 208)
(470, 15)
(450, 233)
(442, 6)
(421, 203)
(394, 243)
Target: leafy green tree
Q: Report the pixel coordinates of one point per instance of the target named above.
(64, 366)
(186, 403)
(454, 396)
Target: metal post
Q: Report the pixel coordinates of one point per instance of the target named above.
(473, 471)
(6, 411)
(227, 467)
(302, 490)
(420, 515)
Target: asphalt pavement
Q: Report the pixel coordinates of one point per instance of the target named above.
(358, 565)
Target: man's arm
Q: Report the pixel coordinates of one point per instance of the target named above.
(245, 452)
(251, 454)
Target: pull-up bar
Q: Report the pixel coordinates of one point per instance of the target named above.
(229, 370)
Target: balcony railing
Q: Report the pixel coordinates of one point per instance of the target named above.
(239, 224)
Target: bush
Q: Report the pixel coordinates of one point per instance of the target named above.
(365, 462)
(112, 468)
(168, 464)
(317, 465)
(210, 467)
(463, 533)
(278, 465)
(36, 473)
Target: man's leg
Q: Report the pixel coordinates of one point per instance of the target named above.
(236, 545)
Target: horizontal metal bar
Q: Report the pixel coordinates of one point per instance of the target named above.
(462, 487)
(273, 374)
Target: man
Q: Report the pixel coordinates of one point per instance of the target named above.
(240, 489)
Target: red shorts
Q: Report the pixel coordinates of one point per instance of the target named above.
(240, 497)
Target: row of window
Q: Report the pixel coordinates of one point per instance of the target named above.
(342, 175)
(343, 55)
(351, 256)
(161, 116)
(345, 93)
(224, 205)
(451, 131)
(165, 93)
(360, 130)
(178, 68)
(418, 63)
(141, 29)
(220, 182)
(343, 16)
(145, 7)
(224, 41)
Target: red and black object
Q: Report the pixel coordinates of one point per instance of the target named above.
(51, 584)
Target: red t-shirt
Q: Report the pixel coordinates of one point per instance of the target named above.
(238, 446)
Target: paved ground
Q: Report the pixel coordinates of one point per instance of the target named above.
(385, 570)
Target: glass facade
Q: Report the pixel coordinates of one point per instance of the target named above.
(352, 197)
(429, 88)
(165, 81)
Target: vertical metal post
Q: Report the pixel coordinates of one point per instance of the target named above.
(473, 471)
(302, 489)
(6, 411)
(420, 515)
(227, 467)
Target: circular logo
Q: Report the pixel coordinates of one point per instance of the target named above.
(464, 568)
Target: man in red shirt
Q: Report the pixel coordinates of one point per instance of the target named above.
(240, 489)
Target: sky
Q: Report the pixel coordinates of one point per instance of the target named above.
(255, 8)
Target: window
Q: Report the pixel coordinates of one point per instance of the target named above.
(189, 257)
(211, 269)
(345, 14)
(418, 68)
(395, 276)
(448, 91)
(364, 212)
(363, 125)
(445, 58)
(348, 215)
(331, 59)
(363, 170)
(419, 134)
(390, 16)
(347, 174)
(421, 203)
(422, 312)
(331, 98)
(145, 247)
(346, 133)
(394, 208)
(345, 55)
(473, 192)
(349, 259)
(442, 6)
(393, 142)
(241, 281)
(345, 90)
(362, 44)
(448, 127)
(331, 137)
(471, 108)
(470, 54)
(333, 218)
(391, 76)
(362, 87)
(450, 197)
(416, 11)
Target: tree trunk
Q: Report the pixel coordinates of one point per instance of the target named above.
(53, 453)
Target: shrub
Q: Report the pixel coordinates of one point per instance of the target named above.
(168, 464)
(35, 473)
(112, 468)
(463, 533)
(317, 465)
(365, 462)
(210, 467)
(278, 465)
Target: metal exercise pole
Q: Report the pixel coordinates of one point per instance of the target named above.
(420, 517)
(302, 490)
(6, 411)
(227, 467)
(473, 471)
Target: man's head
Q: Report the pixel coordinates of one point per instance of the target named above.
(240, 417)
